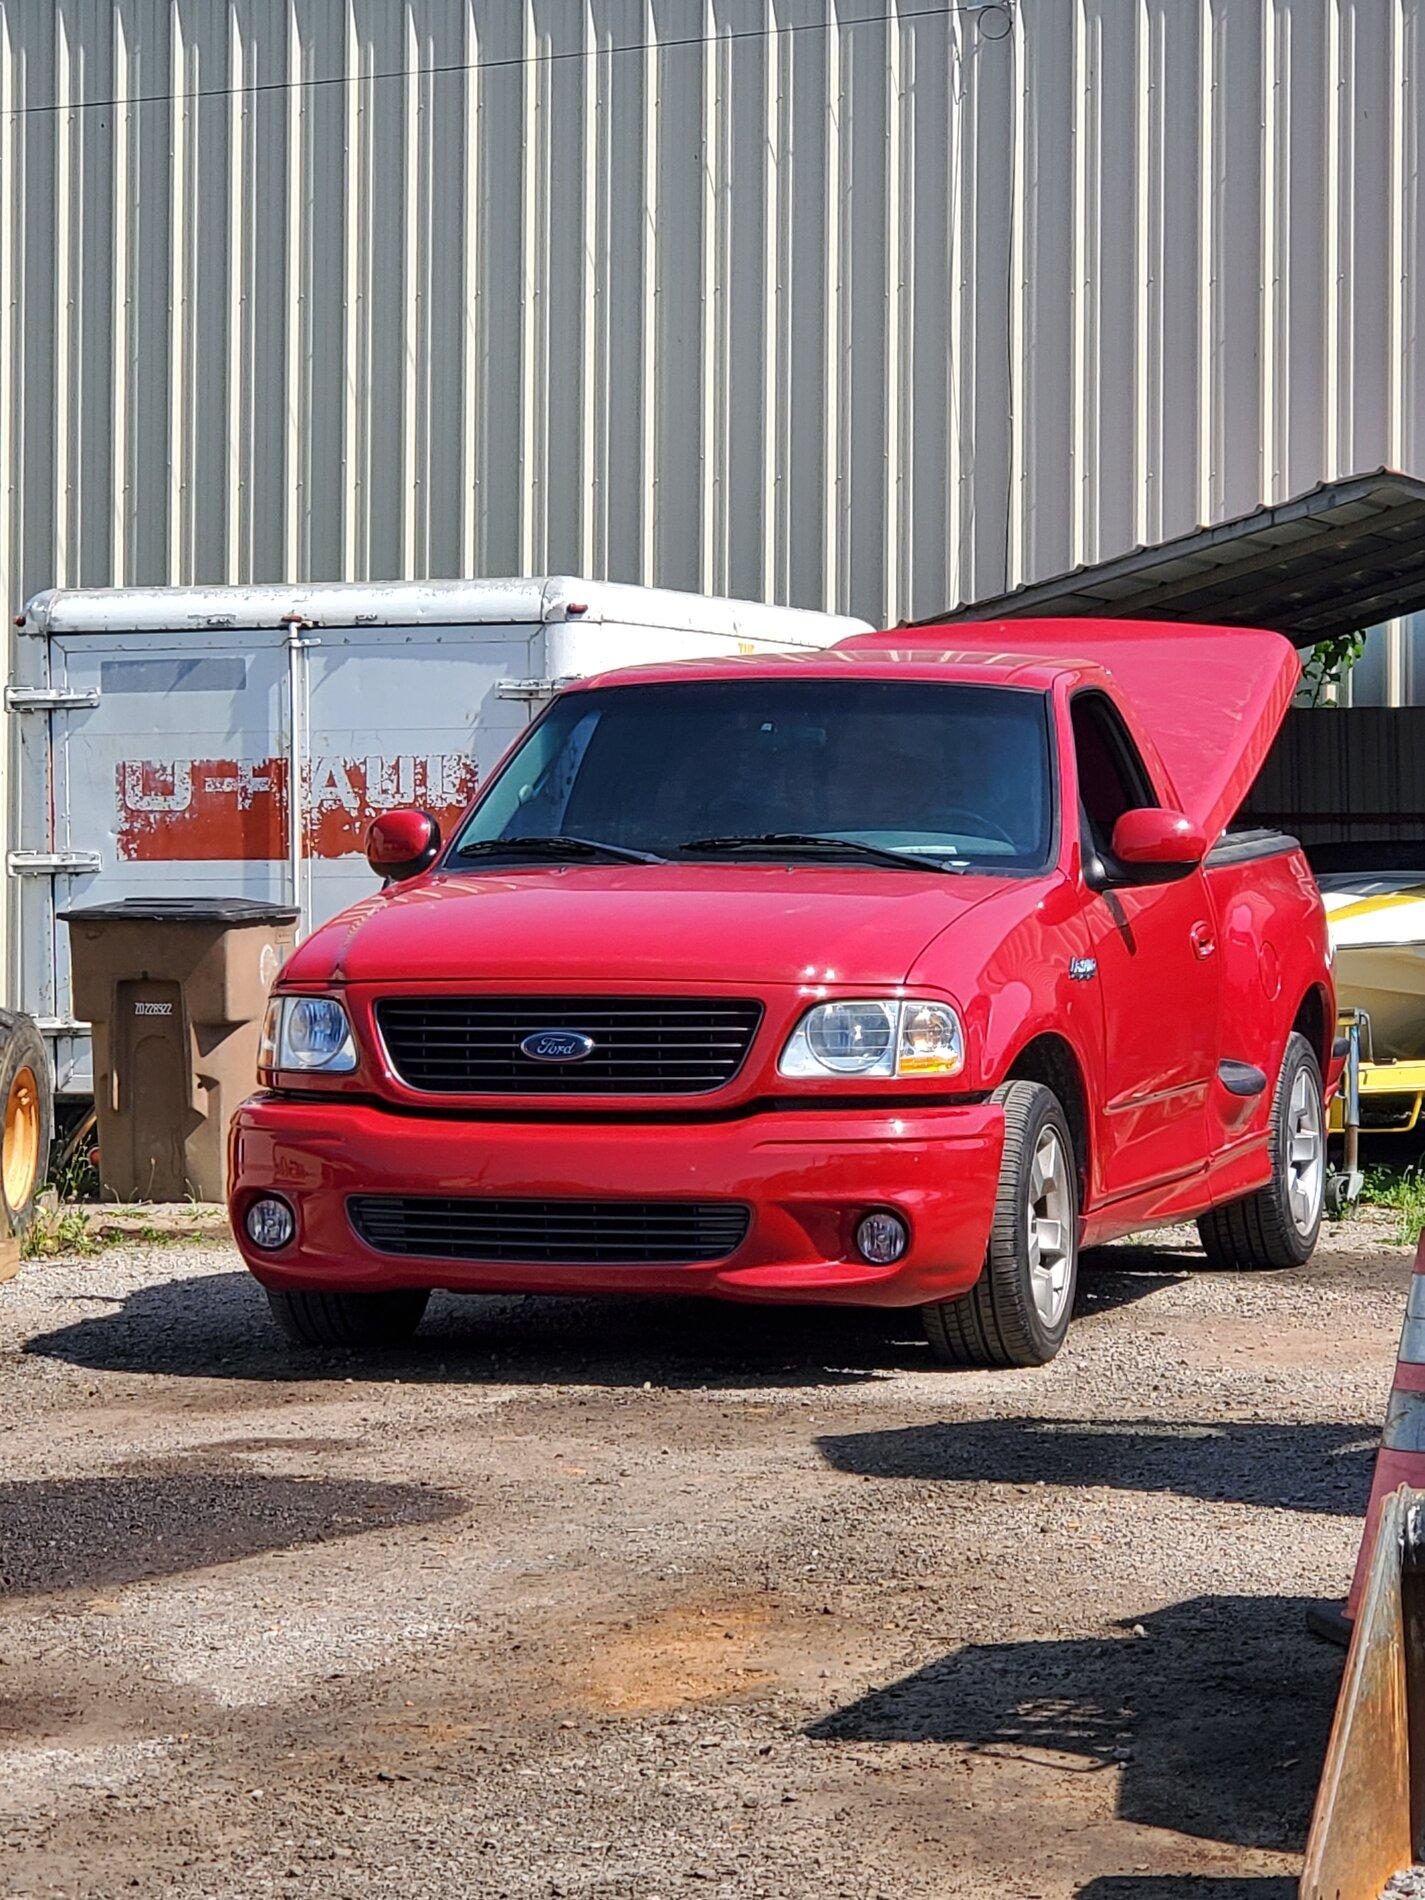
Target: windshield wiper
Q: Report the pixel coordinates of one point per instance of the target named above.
(813, 843)
(556, 847)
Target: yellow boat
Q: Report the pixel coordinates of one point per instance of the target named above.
(1377, 925)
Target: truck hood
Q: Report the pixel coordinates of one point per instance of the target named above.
(677, 924)
(1211, 698)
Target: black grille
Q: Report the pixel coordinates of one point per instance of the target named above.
(659, 1045)
(551, 1233)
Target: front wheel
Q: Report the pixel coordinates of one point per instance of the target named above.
(348, 1319)
(1277, 1226)
(27, 1097)
(1018, 1311)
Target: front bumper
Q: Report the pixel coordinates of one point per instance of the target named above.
(807, 1175)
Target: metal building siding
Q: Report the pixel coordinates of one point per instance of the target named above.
(860, 313)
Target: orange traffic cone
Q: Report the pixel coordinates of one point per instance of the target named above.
(1401, 1458)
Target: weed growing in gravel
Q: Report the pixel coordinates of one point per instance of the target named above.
(72, 1174)
(1403, 1190)
(66, 1228)
(58, 1230)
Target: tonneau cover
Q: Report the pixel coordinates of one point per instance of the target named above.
(1211, 698)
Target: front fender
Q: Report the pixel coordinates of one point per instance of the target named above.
(1038, 978)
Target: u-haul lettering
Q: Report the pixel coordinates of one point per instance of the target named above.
(188, 810)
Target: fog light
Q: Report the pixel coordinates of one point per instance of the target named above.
(882, 1238)
(270, 1224)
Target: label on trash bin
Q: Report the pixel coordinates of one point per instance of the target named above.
(153, 1009)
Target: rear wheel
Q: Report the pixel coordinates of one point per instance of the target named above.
(348, 1319)
(1018, 1311)
(27, 1103)
(1277, 1226)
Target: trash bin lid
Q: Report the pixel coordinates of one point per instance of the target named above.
(183, 910)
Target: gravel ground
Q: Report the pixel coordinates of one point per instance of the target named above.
(655, 1599)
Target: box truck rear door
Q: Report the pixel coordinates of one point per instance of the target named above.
(398, 716)
(175, 777)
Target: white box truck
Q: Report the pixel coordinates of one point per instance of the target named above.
(236, 741)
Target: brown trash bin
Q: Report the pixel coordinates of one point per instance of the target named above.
(175, 989)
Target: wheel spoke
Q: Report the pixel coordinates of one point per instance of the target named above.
(1049, 1231)
(1305, 1157)
(1051, 1238)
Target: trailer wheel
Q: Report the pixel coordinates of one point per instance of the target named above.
(348, 1319)
(1018, 1311)
(27, 1095)
(1277, 1226)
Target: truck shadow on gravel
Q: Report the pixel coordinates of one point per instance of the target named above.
(88, 1533)
(1323, 1468)
(1215, 1719)
(1187, 1887)
(217, 1326)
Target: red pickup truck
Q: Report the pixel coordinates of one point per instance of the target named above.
(890, 975)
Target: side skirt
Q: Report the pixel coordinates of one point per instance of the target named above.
(1233, 1172)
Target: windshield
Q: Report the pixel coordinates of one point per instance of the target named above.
(950, 775)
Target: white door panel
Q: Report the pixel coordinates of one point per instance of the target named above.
(178, 777)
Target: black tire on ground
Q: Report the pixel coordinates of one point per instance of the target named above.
(999, 1322)
(27, 1108)
(1275, 1227)
(348, 1319)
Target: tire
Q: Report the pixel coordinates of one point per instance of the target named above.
(1018, 1311)
(348, 1319)
(1277, 1226)
(27, 1106)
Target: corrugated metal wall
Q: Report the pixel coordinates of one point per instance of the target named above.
(870, 304)
(1348, 776)
(1391, 671)
(786, 299)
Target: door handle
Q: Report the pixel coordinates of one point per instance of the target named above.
(1202, 939)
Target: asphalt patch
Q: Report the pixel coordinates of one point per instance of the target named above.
(103, 1532)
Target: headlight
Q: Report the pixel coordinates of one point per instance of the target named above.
(851, 1038)
(876, 1036)
(310, 1034)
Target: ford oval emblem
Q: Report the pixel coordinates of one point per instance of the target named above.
(557, 1045)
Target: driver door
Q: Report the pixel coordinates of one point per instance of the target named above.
(1157, 972)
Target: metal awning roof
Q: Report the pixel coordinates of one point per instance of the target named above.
(1342, 558)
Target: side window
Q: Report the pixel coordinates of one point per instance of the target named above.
(1112, 778)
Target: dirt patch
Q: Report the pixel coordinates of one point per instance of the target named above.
(683, 1655)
